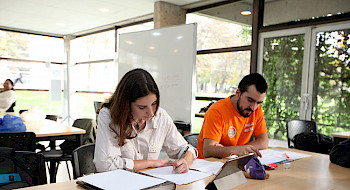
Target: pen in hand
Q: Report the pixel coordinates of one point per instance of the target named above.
(182, 155)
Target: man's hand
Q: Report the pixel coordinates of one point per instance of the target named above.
(245, 149)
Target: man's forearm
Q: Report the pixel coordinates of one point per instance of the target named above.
(260, 143)
(217, 151)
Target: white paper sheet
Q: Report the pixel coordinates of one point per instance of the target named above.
(206, 166)
(121, 178)
(271, 156)
(168, 174)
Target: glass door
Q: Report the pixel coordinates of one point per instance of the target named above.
(285, 67)
(329, 83)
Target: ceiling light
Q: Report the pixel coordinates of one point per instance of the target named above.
(59, 24)
(151, 47)
(104, 10)
(246, 13)
(179, 37)
(156, 34)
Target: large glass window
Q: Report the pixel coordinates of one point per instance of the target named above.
(223, 26)
(93, 47)
(26, 59)
(96, 77)
(93, 74)
(218, 74)
(31, 47)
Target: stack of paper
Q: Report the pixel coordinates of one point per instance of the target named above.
(272, 156)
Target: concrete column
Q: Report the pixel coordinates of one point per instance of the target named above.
(167, 14)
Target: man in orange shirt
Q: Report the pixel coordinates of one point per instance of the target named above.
(229, 123)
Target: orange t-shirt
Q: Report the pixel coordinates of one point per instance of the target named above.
(225, 125)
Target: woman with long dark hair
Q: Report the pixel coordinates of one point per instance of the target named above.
(132, 129)
(7, 97)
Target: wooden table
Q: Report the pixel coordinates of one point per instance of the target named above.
(344, 134)
(340, 136)
(315, 172)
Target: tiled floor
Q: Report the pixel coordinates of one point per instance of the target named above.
(62, 174)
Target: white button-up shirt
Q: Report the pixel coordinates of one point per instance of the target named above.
(160, 132)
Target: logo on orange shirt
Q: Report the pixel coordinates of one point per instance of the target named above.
(232, 131)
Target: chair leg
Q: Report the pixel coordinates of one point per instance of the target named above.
(68, 171)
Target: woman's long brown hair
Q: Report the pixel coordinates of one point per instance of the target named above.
(135, 84)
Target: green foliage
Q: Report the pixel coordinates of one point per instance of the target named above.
(283, 64)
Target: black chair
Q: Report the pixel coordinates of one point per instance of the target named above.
(52, 117)
(30, 166)
(83, 158)
(192, 139)
(21, 111)
(90, 126)
(20, 141)
(295, 127)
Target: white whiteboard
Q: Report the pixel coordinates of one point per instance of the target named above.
(169, 54)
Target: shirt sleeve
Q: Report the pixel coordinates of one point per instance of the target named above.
(212, 125)
(175, 145)
(107, 151)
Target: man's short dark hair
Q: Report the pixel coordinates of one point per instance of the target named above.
(253, 79)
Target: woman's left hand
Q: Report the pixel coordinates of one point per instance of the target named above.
(161, 163)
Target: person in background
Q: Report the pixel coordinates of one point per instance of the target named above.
(7, 97)
(229, 123)
(132, 129)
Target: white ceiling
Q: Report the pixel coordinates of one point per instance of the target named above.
(75, 16)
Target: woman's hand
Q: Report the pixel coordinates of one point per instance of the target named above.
(181, 166)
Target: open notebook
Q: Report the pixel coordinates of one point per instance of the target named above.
(123, 179)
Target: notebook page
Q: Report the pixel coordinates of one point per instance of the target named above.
(179, 179)
(206, 166)
(120, 178)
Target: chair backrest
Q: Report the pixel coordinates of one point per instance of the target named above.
(20, 141)
(29, 165)
(192, 139)
(21, 111)
(90, 126)
(52, 117)
(83, 158)
(295, 127)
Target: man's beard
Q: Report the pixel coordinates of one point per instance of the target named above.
(241, 110)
